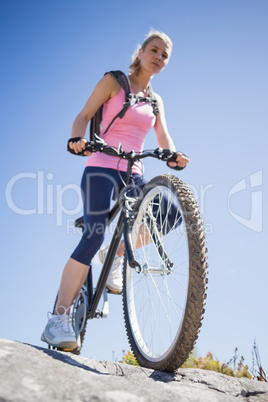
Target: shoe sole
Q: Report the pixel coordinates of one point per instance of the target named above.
(63, 345)
(114, 291)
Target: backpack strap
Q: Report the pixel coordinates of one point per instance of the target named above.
(153, 101)
(95, 122)
(122, 80)
(130, 99)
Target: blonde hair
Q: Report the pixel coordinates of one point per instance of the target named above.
(153, 34)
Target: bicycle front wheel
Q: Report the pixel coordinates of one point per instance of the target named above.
(163, 299)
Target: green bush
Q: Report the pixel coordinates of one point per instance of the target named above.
(209, 363)
(129, 358)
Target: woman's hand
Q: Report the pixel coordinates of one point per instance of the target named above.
(181, 161)
(78, 145)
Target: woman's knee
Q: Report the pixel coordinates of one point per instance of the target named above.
(87, 247)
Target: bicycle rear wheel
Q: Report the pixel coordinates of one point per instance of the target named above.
(163, 301)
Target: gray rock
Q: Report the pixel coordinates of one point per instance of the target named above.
(30, 373)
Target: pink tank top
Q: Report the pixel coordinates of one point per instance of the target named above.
(129, 131)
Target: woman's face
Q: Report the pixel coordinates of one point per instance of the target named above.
(155, 56)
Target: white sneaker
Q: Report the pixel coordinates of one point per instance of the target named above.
(115, 280)
(59, 332)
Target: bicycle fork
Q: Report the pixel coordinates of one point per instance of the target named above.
(151, 227)
(129, 217)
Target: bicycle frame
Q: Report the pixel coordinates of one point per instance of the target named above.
(122, 223)
(125, 220)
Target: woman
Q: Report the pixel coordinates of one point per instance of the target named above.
(101, 173)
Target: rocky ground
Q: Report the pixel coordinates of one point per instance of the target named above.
(30, 373)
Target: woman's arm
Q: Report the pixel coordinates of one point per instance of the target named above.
(106, 88)
(163, 137)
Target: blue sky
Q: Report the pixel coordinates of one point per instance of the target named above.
(215, 95)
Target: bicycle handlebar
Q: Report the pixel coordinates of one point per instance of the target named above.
(99, 145)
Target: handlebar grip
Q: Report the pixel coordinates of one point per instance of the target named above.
(175, 167)
(75, 139)
(173, 158)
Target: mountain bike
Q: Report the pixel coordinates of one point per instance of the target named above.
(164, 278)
